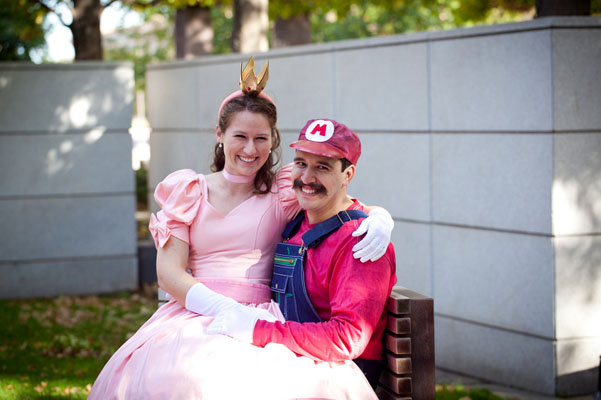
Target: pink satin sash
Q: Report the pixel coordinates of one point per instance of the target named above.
(242, 292)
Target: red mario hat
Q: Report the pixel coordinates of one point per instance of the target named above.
(328, 138)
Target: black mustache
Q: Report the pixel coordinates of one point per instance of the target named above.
(315, 186)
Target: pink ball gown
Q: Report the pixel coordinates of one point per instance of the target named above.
(171, 357)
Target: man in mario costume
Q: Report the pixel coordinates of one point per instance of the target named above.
(333, 304)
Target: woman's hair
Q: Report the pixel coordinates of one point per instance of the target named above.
(265, 175)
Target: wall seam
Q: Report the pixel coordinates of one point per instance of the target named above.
(553, 241)
(430, 163)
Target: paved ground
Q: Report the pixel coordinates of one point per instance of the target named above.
(445, 377)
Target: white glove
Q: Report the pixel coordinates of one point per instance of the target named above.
(378, 226)
(239, 323)
(202, 300)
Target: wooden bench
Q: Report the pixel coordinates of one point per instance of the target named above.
(409, 348)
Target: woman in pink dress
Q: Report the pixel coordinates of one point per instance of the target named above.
(216, 236)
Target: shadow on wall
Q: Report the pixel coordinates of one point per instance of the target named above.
(67, 186)
(61, 123)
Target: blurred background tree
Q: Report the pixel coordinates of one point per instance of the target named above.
(21, 29)
(200, 27)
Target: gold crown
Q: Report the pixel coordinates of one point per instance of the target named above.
(249, 82)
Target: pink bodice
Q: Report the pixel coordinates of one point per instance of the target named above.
(238, 246)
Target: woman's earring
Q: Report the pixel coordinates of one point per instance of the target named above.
(269, 151)
(220, 145)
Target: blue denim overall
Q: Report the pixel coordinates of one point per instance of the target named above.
(288, 282)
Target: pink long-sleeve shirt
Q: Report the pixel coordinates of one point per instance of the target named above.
(349, 296)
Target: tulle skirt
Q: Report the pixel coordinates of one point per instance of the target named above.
(171, 357)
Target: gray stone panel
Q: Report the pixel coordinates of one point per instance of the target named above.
(577, 183)
(303, 88)
(493, 82)
(287, 151)
(383, 87)
(577, 286)
(173, 98)
(394, 172)
(412, 246)
(64, 97)
(500, 356)
(62, 164)
(68, 277)
(495, 278)
(500, 181)
(178, 150)
(577, 79)
(58, 228)
(577, 366)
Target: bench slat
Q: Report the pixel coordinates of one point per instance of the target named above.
(385, 394)
(399, 325)
(396, 383)
(397, 364)
(398, 303)
(397, 344)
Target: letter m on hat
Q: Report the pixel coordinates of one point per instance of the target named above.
(321, 128)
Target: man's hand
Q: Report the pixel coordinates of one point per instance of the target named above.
(378, 225)
(239, 322)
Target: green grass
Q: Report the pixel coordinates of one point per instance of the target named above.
(458, 392)
(54, 348)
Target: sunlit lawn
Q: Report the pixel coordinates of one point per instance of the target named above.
(55, 348)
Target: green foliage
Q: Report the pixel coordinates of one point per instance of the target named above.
(55, 348)
(451, 392)
(151, 42)
(222, 18)
(21, 29)
(365, 18)
(142, 5)
(142, 188)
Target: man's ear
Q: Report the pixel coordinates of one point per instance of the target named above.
(349, 173)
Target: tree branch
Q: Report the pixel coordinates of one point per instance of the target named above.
(140, 3)
(52, 10)
(109, 4)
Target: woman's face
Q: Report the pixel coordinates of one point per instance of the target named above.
(246, 143)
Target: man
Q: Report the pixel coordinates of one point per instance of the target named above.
(334, 305)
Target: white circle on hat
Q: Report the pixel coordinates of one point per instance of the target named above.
(320, 131)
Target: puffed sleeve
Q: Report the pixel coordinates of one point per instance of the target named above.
(179, 196)
(286, 195)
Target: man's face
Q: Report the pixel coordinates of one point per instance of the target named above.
(319, 184)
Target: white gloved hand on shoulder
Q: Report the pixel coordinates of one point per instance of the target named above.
(378, 225)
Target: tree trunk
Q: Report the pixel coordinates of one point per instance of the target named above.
(251, 23)
(292, 31)
(548, 8)
(87, 40)
(193, 32)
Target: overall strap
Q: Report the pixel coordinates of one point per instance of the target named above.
(321, 231)
(293, 226)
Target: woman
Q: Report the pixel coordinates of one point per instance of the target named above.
(223, 228)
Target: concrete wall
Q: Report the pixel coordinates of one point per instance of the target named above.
(67, 197)
(484, 144)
